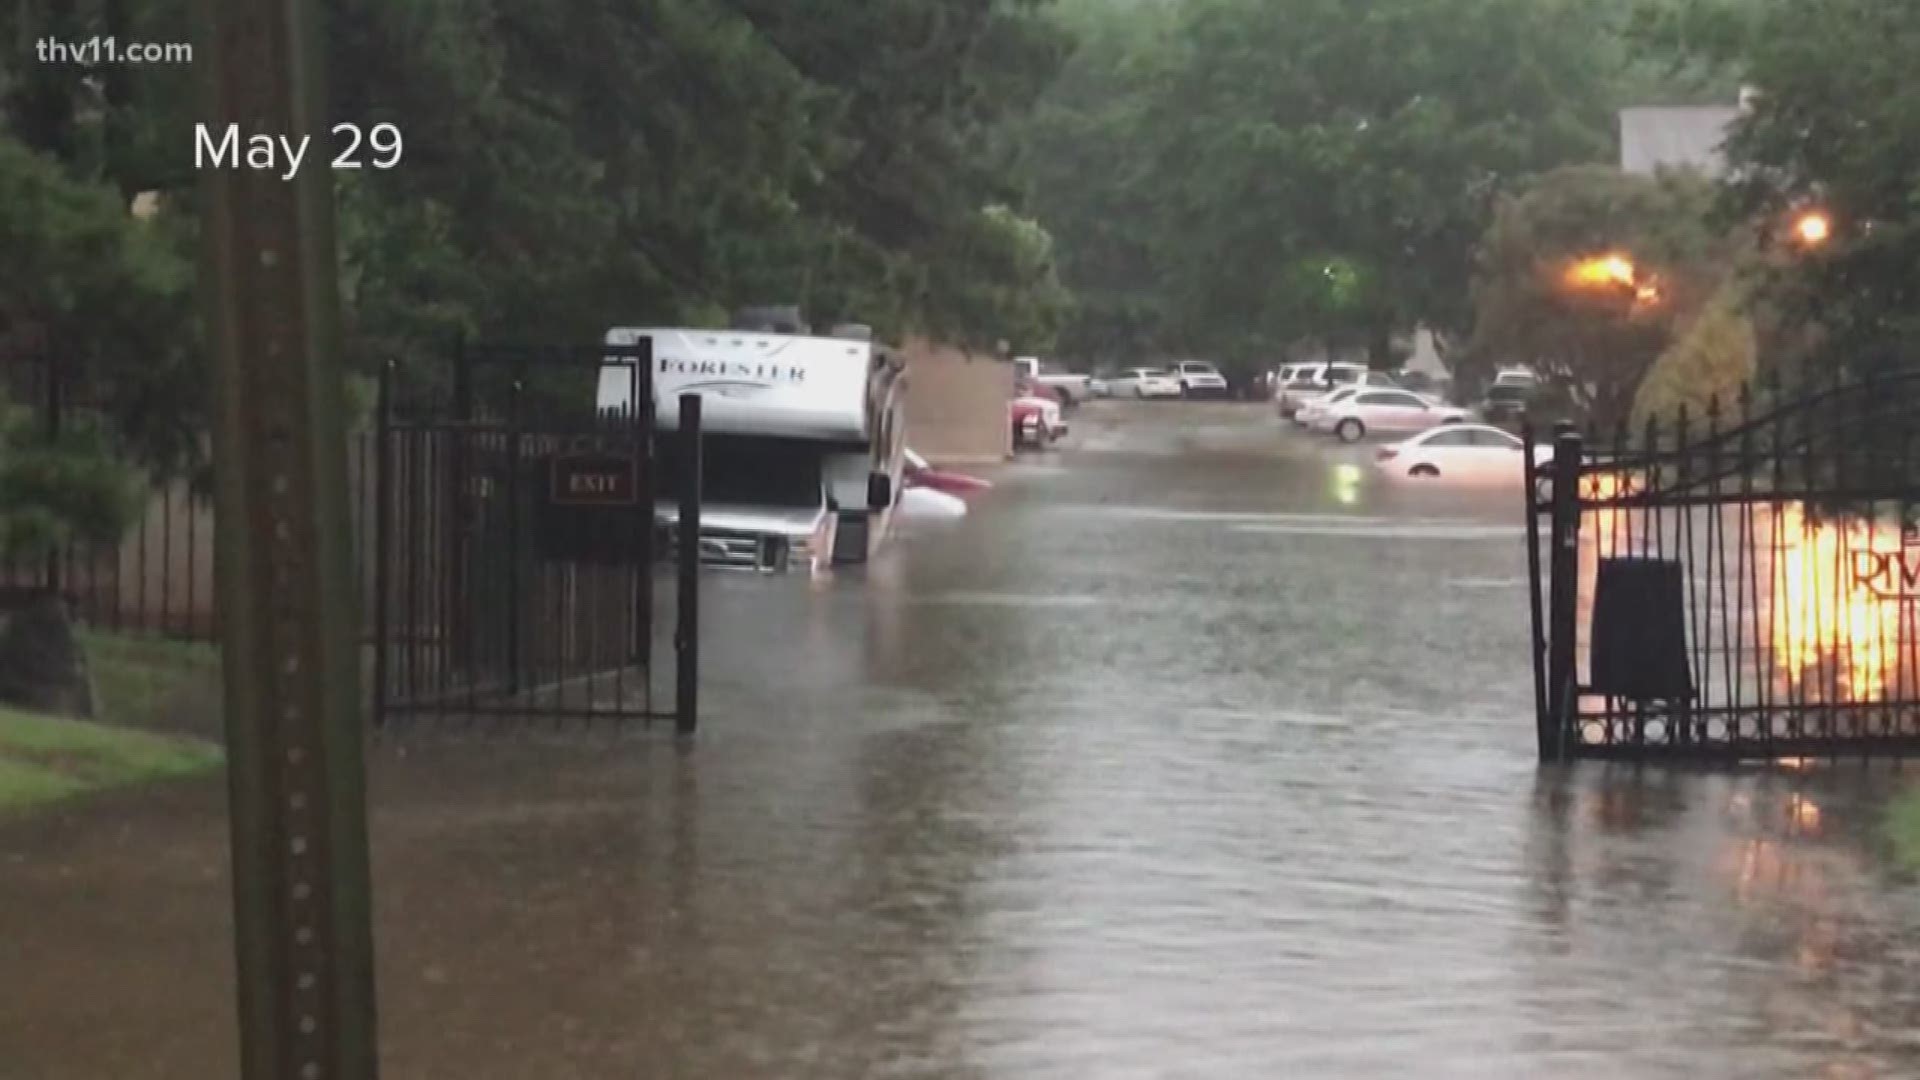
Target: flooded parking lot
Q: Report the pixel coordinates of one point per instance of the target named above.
(1194, 751)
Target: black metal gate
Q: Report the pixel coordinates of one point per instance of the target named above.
(1743, 585)
(515, 555)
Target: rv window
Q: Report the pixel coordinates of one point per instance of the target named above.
(748, 470)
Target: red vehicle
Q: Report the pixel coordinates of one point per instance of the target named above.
(1036, 422)
(919, 474)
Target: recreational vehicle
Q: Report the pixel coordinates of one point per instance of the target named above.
(804, 439)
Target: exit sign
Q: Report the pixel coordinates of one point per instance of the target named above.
(595, 480)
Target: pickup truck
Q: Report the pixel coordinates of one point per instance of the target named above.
(1073, 389)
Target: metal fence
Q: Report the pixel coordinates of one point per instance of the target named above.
(159, 577)
(514, 557)
(1743, 584)
(484, 589)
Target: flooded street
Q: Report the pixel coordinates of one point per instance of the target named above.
(1190, 753)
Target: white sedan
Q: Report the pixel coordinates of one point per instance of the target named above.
(1375, 411)
(1145, 383)
(1460, 453)
(1313, 409)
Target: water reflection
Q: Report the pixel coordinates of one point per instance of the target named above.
(1776, 885)
(1783, 605)
(1842, 637)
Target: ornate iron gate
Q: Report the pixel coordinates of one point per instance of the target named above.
(1743, 585)
(515, 555)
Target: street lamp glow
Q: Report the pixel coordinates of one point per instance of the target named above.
(1813, 228)
(1603, 271)
(1614, 274)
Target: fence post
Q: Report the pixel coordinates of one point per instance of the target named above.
(1537, 620)
(1564, 592)
(686, 637)
(55, 406)
(642, 417)
(382, 536)
(461, 514)
(515, 518)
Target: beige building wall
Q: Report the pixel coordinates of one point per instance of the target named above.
(957, 404)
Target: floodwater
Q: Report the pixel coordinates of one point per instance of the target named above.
(1192, 752)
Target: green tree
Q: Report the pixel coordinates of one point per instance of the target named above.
(1716, 356)
(102, 300)
(1594, 341)
(578, 164)
(1080, 153)
(1001, 285)
(1836, 125)
(1254, 172)
(567, 167)
(54, 491)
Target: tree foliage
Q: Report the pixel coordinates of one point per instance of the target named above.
(100, 299)
(1595, 342)
(568, 166)
(1713, 359)
(57, 490)
(1240, 174)
(1835, 126)
(579, 164)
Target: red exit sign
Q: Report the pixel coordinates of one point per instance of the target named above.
(595, 480)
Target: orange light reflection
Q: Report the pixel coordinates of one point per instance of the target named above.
(1834, 636)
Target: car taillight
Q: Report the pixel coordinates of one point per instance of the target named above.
(1387, 453)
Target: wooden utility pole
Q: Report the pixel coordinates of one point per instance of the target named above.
(287, 594)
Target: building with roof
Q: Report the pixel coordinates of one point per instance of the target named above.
(1657, 139)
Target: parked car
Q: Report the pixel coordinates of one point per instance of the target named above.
(1302, 383)
(1506, 402)
(1420, 382)
(1070, 388)
(1279, 377)
(1386, 411)
(1517, 376)
(1312, 407)
(922, 504)
(1036, 422)
(1312, 410)
(1460, 453)
(919, 474)
(1198, 378)
(1145, 383)
(1024, 387)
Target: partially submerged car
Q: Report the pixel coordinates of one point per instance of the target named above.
(1460, 454)
(918, 473)
(1384, 411)
(1037, 423)
(934, 494)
